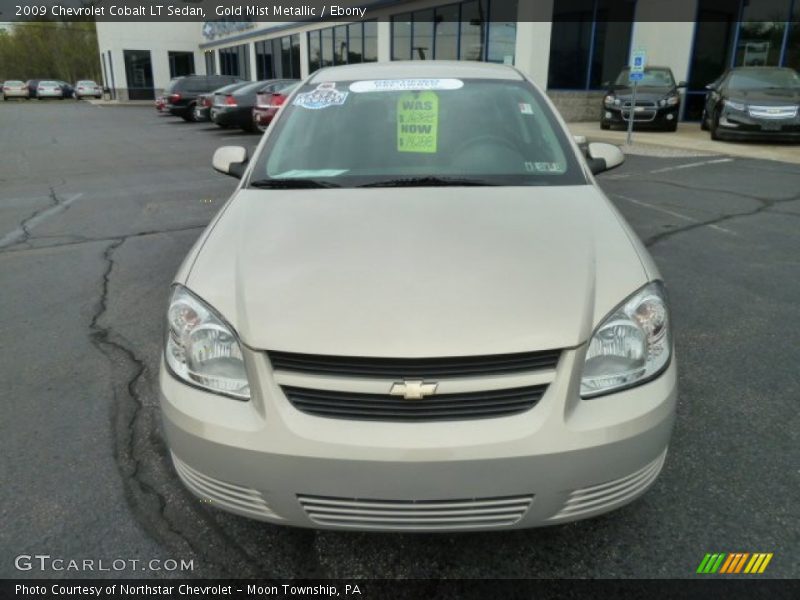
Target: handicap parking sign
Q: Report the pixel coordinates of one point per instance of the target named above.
(635, 76)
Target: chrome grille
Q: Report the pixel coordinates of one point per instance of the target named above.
(359, 513)
(414, 368)
(773, 112)
(644, 111)
(441, 407)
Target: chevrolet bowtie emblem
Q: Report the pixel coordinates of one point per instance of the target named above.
(413, 389)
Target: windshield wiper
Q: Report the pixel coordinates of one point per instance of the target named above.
(428, 181)
(291, 183)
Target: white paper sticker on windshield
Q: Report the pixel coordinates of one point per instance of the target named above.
(324, 96)
(525, 108)
(405, 85)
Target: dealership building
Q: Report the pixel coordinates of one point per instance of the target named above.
(571, 48)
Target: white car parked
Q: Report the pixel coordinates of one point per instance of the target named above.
(13, 88)
(49, 89)
(418, 311)
(87, 88)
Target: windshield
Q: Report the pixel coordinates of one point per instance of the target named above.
(87, 83)
(763, 79)
(490, 132)
(651, 77)
(14, 82)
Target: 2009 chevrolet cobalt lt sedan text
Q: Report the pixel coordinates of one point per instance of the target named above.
(418, 312)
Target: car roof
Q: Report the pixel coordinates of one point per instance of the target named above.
(437, 69)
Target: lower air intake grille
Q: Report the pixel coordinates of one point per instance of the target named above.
(442, 407)
(385, 515)
(414, 368)
(221, 494)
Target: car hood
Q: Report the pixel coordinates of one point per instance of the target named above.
(773, 96)
(413, 272)
(643, 92)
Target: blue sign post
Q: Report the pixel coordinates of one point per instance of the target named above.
(635, 75)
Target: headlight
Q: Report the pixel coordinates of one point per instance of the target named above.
(608, 100)
(734, 105)
(631, 346)
(669, 101)
(202, 349)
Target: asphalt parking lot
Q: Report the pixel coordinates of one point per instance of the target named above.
(99, 205)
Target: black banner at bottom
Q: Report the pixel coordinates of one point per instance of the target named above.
(379, 589)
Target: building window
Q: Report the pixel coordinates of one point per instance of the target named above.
(342, 45)
(590, 42)
(473, 30)
(235, 61)
(181, 63)
(791, 56)
(211, 62)
(139, 74)
(278, 58)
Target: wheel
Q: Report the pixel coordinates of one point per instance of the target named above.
(250, 127)
(604, 125)
(190, 116)
(704, 121)
(672, 126)
(714, 127)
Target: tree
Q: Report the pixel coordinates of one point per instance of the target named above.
(49, 49)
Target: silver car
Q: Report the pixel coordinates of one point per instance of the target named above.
(418, 311)
(88, 88)
(49, 89)
(13, 88)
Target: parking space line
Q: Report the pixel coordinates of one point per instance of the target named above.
(671, 212)
(20, 232)
(692, 165)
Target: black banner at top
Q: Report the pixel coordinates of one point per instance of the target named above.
(242, 12)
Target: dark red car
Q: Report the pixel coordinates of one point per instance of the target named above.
(267, 105)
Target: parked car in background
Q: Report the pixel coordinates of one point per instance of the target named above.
(182, 92)
(87, 87)
(268, 104)
(526, 380)
(235, 109)
(754, 102)
(205, 101)
(49, 88)
(32, 85)
(68, 91)
(161, 104)
(658, 100)
(14, 88)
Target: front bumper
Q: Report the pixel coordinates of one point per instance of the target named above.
(739, 124)
(644, 117)
(564, 459)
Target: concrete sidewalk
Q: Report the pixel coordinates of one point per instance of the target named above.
(689, 139)
(121, 102)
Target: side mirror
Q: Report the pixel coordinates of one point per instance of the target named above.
(602, 157)
(711, 87)
(607, 84)
(682, 84)
(230, 160)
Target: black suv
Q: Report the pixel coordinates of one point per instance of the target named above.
(182, 92)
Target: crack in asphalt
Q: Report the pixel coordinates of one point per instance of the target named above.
(23, 225)
(124, 451)
(765, 205)
(127, 413)
(79, 239)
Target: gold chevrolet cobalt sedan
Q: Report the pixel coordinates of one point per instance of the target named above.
(418, 312)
